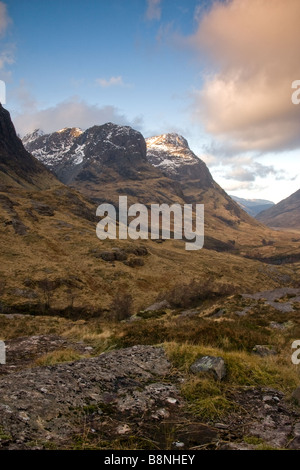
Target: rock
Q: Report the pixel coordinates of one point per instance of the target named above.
(277, 326)
(120, 255)
(178, 445)
(218, 313)
(269, 418)
(172, 401)
(211, 364)
(264, 350)
(158, 306)
(24, 351)
(55, 403)
(134, 262)
(123, 429)
(108, 256)
(2, 353)
(221, 426)
(244, 312)
(236, 446)
(188, 313)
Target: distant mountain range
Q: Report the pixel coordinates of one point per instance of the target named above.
(284, 215)
(253, 206)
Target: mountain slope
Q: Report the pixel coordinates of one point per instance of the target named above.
(17, 166)
(284, 215)
(253, 206)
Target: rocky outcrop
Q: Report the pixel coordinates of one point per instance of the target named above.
(51, 404)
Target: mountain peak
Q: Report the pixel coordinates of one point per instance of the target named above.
(170, 141)
(171, 154)
(72, 131)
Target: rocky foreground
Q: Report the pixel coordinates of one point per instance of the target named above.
(129, 397)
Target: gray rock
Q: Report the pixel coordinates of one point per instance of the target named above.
(2, 353)
(108, 256)
(264, 350)
(236, 446)
(211, 364)
(188, 313)
(49, 403)
(158, 306)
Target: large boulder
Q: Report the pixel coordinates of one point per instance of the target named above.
(210, 364)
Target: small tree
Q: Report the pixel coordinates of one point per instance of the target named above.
(47, 286)
(121, 306)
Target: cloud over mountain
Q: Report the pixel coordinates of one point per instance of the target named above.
(251, 50)
(73, 112)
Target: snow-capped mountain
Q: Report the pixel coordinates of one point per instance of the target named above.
(70, 151)
(108, 160)
(51, 149)
(172, 155)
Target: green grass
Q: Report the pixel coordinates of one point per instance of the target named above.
(209, 399)
(57, 357)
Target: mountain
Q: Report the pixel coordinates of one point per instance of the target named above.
(106, 161)
(103, 162)
(253, 206)
(172, 155)
(51, 258)
(284, 215)
(17, 166)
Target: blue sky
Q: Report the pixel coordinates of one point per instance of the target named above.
(164, 66)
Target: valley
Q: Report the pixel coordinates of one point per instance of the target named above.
(101, 332)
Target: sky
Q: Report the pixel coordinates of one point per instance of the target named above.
(219, 73)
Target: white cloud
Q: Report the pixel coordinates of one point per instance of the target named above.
(112, 81)
(72, 112)
(153, 10)
(251, 50)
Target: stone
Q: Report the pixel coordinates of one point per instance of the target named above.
(123, 429)
(158, 306)
(108, 256)
(188, 313)
(2, 353)
(178, 445)
(264, 350)
(211, 364)
(110, 391)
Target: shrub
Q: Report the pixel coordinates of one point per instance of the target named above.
(121, 307)
(188, 295)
